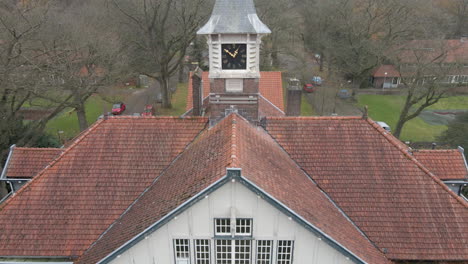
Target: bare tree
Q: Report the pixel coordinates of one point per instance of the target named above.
(425, 73)
(355, 35)
(157, 34)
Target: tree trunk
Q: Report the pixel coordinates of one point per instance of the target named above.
(181, 73)
(403, 118)
(166, 94)
(81, 113)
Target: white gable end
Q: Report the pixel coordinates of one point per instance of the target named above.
(232, 201)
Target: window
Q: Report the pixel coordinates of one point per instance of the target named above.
(264, 251)
(285, 252)
(243, 227)
(223, 227)
(237, 250)
(182, 251)
(202, 251)
(242, 251)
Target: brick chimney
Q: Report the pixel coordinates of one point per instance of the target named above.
(197, 92)
(293, 107)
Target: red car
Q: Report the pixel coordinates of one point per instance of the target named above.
(118, 108)
(148, 111)
(309, 88)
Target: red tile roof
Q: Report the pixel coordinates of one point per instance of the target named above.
(405, 210)
(380, 71)
(25, 163)
(234, 143)
(447, 51)
(70, 204)
(277, 174)
(270, 86)
(202, 163)
(446, 164)
(134, 170)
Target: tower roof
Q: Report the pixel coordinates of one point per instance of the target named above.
(233, 17)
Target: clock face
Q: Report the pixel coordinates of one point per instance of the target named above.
(234, 56)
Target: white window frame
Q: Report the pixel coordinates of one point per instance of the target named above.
(244, 224)
(283, 255)
(182, 250)
(222, 224)
(231, 249)
(202, 251)
(264, 251)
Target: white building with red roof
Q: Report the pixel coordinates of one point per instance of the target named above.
(235, 185)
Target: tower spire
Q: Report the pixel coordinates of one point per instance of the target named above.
(234, 17)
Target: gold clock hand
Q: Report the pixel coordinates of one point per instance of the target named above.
(228, 52)
(236, 52)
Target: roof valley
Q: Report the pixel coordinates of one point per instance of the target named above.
(52, 163)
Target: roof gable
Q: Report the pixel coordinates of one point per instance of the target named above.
(25, 163)
(406, 211)
(77, 197)
(234, 143)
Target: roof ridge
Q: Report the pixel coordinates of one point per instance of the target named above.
(53, 162)
(436, 150)
(28, 148)
(234, 140)
(315, 118)
(406, 153)
(156, 117)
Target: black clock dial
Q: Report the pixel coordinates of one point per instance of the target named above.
(234, 56)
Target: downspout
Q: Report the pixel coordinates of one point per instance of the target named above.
(3, 176)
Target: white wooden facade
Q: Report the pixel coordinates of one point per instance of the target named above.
(233, 200)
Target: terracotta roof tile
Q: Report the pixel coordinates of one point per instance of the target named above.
(445, 164)
(270, 86)
(234, 143)
(406, 211)
(202, 163)
(25, 163)
(68, 205)
(389, 69)
(277, 174)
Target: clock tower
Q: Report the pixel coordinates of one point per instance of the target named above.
(234, 34)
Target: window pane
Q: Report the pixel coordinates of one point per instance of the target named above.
(244, 227)
(264, 250)
(223, 226)
(223, 251)
(285, 252)
(182, 251)
(202, 251)
(242, 251)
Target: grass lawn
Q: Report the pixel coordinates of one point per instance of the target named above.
(306, 108)
(179, 102)
(387, 108)
(68, 120)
